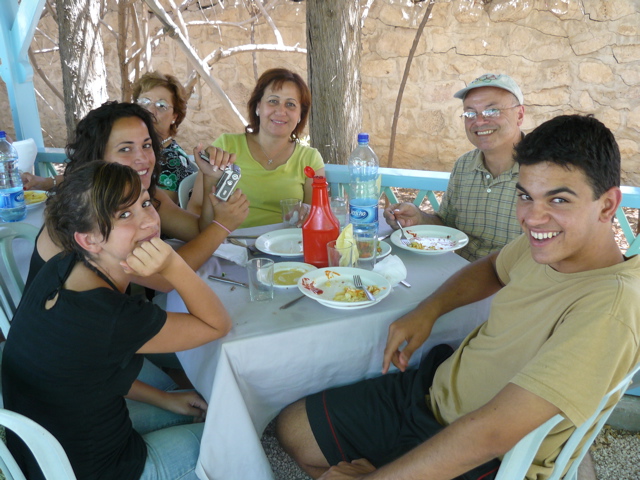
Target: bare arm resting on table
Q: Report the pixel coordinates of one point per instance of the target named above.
(474, 282)
(472, 440)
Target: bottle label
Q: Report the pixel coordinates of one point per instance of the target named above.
(12, 199)
(363, 213)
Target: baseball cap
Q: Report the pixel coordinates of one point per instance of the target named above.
(502, 81)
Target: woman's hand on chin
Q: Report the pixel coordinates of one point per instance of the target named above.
(149, 258)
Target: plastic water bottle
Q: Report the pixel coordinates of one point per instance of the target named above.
(364, 190)
(12, 206)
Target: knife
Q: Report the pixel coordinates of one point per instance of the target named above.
(295, 300)
(243, 236)
(228, 280)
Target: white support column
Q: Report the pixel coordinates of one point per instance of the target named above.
(17, 26)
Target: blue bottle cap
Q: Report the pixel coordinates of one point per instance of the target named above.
(3, 134)
(363, 138)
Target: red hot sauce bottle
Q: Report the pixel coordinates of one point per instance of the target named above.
(320, 227)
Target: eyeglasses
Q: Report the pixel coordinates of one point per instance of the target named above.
(488, 113)
(161, 105)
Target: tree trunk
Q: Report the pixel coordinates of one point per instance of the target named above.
(82, 59)
(333, 65)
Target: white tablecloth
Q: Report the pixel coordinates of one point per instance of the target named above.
(273, 357)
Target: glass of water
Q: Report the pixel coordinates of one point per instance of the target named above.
(340, 208)
(260, 279)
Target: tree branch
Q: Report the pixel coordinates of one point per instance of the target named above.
(270, 21)
(403, 83)
(219, 54)
(45, 79)
(201, 67)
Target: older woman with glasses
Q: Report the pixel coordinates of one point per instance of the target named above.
(165, 97)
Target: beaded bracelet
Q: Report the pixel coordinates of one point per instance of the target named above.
(222, 226)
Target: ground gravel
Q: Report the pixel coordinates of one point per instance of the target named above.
(616, 454)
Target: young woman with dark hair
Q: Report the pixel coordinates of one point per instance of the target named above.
(76, 341)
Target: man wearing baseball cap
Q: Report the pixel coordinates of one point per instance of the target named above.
(480, 196)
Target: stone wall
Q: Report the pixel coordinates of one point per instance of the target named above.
(568, 56)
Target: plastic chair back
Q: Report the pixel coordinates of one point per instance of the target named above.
(184, 189)
(516, 462)
(46, 449)
(12, 282)
(5, 325)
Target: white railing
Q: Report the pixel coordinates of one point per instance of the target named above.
(426, 183)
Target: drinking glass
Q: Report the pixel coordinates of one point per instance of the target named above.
(291, 211)
(366, 237)
(340, 256)
(260, 279)
(340, 208)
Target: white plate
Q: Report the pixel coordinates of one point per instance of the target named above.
(384, 249)
(282, 243)
(35, 192)
(325, 283)
(438, 232)
(300, 267)
(346, 305)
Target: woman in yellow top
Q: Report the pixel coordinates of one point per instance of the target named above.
(269, 152)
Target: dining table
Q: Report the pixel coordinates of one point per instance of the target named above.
(273, 357)
(22, 248)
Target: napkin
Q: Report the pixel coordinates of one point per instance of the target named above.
(233, 253)
(391, 268)
(347, 236)
(27, 151)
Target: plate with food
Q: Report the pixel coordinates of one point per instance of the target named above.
(431, 239)
(281, 243)
(287, 274)
(333, 287)
(384, 249)
(33, 198)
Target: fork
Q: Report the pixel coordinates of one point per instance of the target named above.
(403, 237)
(357, 282)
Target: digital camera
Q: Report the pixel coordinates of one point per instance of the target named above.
(228, 182)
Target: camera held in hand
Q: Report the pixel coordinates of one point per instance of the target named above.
(228, 181)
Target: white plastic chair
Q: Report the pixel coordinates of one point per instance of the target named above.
(12, 280)
(46, 449)
(516, 462)
(185, 187)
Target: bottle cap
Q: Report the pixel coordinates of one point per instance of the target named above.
(3, 134)
(363, 138)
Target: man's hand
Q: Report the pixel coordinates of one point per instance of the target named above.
(348, 471)
(149, 258)
(413, 328)
(405, 214)
(231, 213)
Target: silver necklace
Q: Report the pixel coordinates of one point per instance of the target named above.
(168, 139)
(269, 159)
